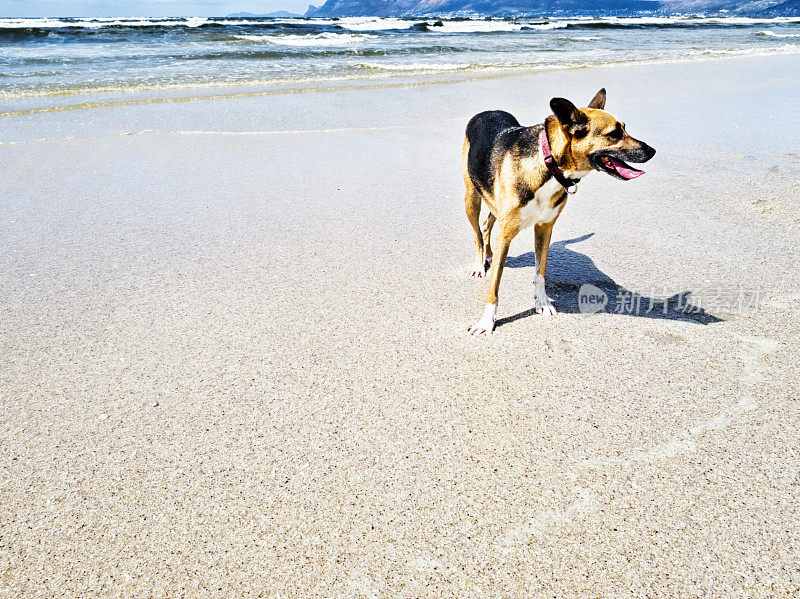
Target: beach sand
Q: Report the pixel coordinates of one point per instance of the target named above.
(235, 358)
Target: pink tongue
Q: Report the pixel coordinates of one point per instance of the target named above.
(626, 172)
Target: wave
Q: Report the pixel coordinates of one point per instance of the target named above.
(666, 24)
(257, 51)
(100, 23)
(547, 26)
(22, 29)
(578, 38)
(313, 40)
(430, 67)
(682, 22)
(322, 52)
(773, 34)
(48, 23)
(475, 26)
(376, 23)
(279, 55)
(784, 49)
(491, 26)
(443, 25)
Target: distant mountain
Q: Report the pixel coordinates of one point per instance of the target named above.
(405, 8)
(411, 8)
(724, 7)
(790, 8)
(278, 13)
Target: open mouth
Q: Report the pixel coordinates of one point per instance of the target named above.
(618, 168)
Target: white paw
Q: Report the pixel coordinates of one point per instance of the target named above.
(482, 327)
(485, 325)
(542, 305)
(480, 269)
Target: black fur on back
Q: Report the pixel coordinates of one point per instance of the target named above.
(491, 135)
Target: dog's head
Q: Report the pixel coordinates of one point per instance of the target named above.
(598, 140)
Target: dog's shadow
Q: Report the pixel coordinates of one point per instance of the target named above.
(576, 285)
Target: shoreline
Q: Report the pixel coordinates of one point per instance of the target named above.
(245, 90)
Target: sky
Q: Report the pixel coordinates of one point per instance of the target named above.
(144, 8)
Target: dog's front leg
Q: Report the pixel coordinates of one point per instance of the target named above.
(508, 230)
(542, 233)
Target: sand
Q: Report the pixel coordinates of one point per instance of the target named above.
(235, 358)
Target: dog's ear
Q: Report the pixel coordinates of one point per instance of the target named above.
(572, 120)
(599, 100)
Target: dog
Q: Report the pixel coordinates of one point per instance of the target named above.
(524, 175)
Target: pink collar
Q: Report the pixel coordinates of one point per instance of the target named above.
(570, 185)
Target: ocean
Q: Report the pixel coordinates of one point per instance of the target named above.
(50, 62)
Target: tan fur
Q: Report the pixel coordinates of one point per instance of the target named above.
(571, 154)
(472, 203)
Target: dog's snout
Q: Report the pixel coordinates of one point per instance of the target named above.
(640, 152)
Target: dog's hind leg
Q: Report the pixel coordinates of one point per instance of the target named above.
(508, 230)
(472, 202)
(487, 239)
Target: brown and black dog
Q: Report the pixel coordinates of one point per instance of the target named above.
(524, 174)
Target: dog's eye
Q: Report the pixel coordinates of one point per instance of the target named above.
(616, 133)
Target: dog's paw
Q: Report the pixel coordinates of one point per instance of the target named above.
(542, 305)
(482, 327)
(479, 270)
(485, 325)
